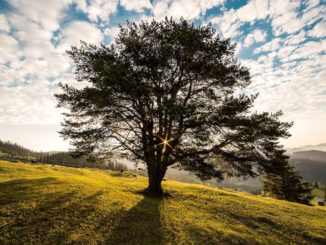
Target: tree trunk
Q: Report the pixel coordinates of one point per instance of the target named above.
(155, 177)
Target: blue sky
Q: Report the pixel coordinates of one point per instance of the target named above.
(282, 42)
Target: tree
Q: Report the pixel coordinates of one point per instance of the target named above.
(283, 182)
(169, 93)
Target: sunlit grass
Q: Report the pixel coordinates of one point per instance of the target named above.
(45, 204)
(319, 192)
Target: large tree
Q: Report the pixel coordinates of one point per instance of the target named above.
(169, 93)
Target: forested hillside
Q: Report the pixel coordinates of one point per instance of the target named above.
(15, 149)
(14, 152)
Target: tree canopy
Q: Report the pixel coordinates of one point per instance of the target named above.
(169, 93)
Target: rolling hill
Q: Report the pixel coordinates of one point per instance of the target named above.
(49, 204)
(314, 155)
(311, 165)
(319, 147)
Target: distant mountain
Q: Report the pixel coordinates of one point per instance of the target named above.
(310, 155)
(319, 147)
(311, 164)
(311, 171)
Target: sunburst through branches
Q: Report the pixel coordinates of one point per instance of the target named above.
(165, 142)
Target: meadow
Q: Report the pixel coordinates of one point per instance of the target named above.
(50, 204)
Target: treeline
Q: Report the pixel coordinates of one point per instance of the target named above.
(60, 158)
(14, 152)
(14, 149)
(65, 159)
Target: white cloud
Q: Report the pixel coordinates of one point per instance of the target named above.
(319, 30)
(189, 9)
(297, 86)
(207, 4)
(35, 57)
(232, 31)
(183, 8)
(77, 31)
(98, 9)
(284, 16)
(8, 48)
(31, 103)
(286, 19)
(4, 25)
(256, 36)
(253, 10)
(285, 51)
(269, 46)
(295, 39)
(308, 50)
(138, 6)
(112, 32)
(227, 24)
(31, 61)
(225, 20)
(46, 13)
(281, 7)
(288, 89)
(312, 3)
(160, 8)
(26, 32)
(312, 14)
(143, 17)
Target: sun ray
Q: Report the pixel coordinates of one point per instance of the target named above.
(165, 142)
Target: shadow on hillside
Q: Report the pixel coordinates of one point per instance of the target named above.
(48, 211)
(43, 211)
(139, 225)
(40, 211)
(19, 190)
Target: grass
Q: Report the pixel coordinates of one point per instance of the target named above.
(45, 204)
(319, 192)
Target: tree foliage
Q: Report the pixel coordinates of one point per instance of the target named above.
(169, 93)
(283, 182)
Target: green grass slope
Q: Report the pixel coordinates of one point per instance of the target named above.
(44, 204)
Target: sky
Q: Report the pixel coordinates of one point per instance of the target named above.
(282, 42)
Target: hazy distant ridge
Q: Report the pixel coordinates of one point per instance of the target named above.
(319, 147)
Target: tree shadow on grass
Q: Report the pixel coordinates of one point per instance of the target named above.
(43, 211)
(54, 215)
(31, 214)
(139, 225)
(19, 190)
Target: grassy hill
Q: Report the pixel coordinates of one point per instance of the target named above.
(45, 204)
